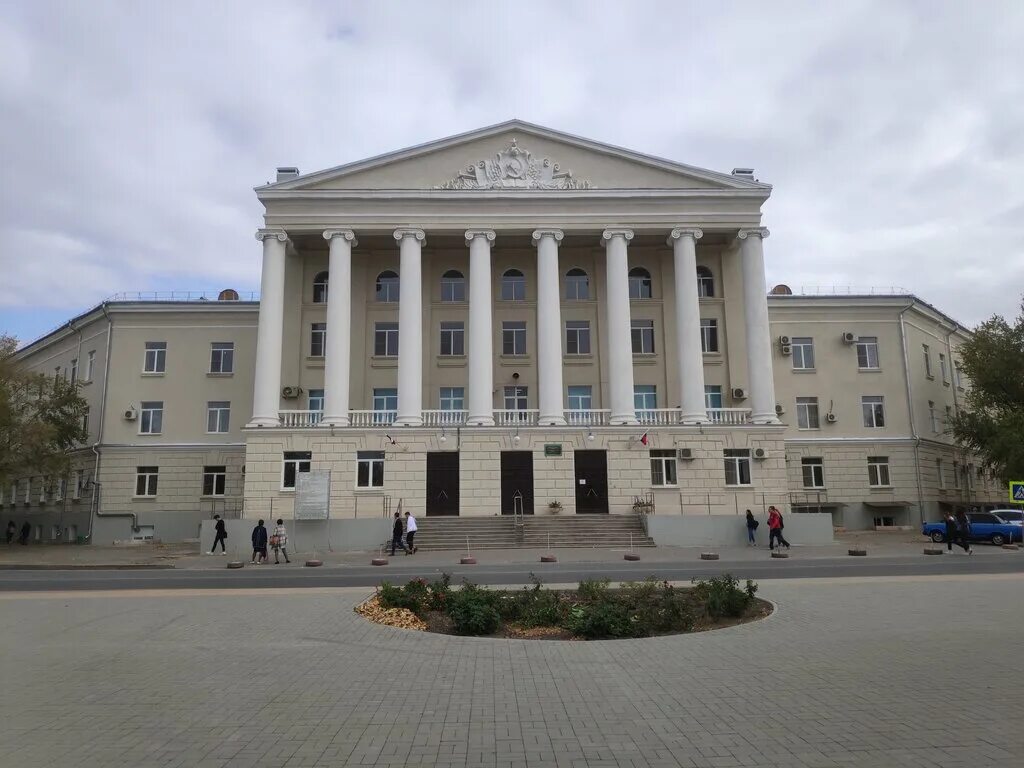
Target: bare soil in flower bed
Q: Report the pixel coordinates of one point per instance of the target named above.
(594, 611)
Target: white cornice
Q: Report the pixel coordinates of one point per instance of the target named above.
(469, 195)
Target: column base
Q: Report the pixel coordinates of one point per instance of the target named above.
(334, 421)
(550, 421)
(480, 421)
(409, 421)
(263, 421)
(623, 421)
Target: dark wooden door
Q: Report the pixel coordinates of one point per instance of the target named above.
(516, 480)
(591, 482)
(443, 483)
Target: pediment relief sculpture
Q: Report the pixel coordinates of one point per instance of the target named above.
(515, 168)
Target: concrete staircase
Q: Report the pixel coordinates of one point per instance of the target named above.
(499, 532)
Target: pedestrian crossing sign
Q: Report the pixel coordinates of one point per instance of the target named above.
(1017, 490)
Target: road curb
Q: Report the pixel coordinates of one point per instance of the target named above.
(105, 567)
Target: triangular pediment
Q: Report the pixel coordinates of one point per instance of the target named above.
(514, 156)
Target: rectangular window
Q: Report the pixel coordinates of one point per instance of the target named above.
(317, 339)
(156, 357)
(28, 491)
(385, 405)
(90, 363)
(873, 407)
(385, 339)
(145, 480)
(79, 484)
(643, 337)
(942, 368)
(708, 334)
(927, 361)
(813, 472)
(577, 285)
(85, 422)
(737, 466)
(663, 467)
(957, 379)
(807, 413)
(294, 463)
(453, 399)
(513, 286)
(867, 353)
(453, 287)
(645, 398)
(74, 370)
(712, 396)
(949, 417)
(218, 416)
(515, 398)
(577, 337)
(151, 417)
(513, 337)
(941, 474)
(878, 471)
(933, 416)
(222, 357)
(453, 339)
(44, 489)
(956, 474)
(370, 469)
(214, 480)
(803, 353)
(59, 489)
(316, 400)
(580, 398)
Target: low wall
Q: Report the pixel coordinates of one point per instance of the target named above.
(731, 530)
(306, 535)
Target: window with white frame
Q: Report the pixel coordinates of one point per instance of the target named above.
(515, 398)
(580, 398)
(513, 337)
(957, 376)
(942, 368)
(577, 337)
(867, 353)
(453, 338)
(218, 416)
(940, 473)
(385, 339)
(640, 286)
(927, 361)
(453, 286)
(151, 417)
(873, 408)
(737, 466)
(708, 334)
(807, 413)
(878, 471)
(705, 283)
(712, 395)
(44, 487)
(215, 480)
(949, 417)
(385, 405)
(155, 360)
(222, 357)
(803, 353)
(320, 281)
(59, 489)
(386, 288)
(78, 485)
(642, 334)
(513, 285)
(663, 467)
(74, 370)
(956, 474)
(933, 416)
(293, 463)
(146, 480)
(370, 469)
(90, 364)
(645, 398)
(813, 470)
(317, 339)
(577, 285)
(315, 400)
(28, 491)
(452, 398)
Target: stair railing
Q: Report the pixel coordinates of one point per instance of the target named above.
(518, 521)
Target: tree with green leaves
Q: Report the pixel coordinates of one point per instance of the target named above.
(41, 420)
(991, 425)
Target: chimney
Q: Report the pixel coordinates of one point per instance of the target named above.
(743, 173)
(284, 174)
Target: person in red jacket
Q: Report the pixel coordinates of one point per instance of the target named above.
(775, 526)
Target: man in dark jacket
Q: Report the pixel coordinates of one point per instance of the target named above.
(221, 535)
(963, 525)
(396, 535)
(26, 529)
(259, 544)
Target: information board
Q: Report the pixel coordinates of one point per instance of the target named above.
(552, 449)
(312, 495)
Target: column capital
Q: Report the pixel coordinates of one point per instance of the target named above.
(404, 232)
(761, 232)
(472, 234)
(613, 232)
(348, 234)
(680, 232)
(540, 234)
(263, 234)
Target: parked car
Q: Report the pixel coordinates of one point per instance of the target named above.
(1015, 516)
(985, 526)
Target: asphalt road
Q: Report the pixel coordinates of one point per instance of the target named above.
(262, 577)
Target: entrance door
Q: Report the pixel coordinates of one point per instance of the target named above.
(516, 481)
(443, 483)
(591, 482)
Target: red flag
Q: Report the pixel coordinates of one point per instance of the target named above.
(643, 439)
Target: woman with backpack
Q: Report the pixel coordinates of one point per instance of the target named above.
(751, 529)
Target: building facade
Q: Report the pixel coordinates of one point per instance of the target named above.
(497, 322)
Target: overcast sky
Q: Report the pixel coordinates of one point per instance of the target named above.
(132, 133)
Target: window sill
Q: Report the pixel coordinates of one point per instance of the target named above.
(314, 362)
(287, 490)
(738, 487)
(143, 498)
(880, 488)
(213, 375)
(945, 383)
(152, 374)
(578, 360)
(86, 382)
(712, 354)
(149, 434)
(383, 362)
(516, 360)
(212, 496)
(664, 487)
(645, 358)
(808, 429)
(869, 370)
(929, 376)
(362, 491)
(451, 361)
(805, 370)
(814, 488)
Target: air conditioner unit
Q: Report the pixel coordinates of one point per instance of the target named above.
(760, 453)
(849, 338)
(738, 393)
(130, 414)
(686, 454)
(784, 341)
(290, 393)
(779, 410)
(831, 418)
(786, 349)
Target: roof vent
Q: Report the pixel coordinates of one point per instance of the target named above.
(283, 174)
(743, 173)
(781, 290)
(228, 294)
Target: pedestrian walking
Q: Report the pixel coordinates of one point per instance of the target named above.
(11, 530)
(751, 529)
(220, 535)
(410, 532)
(952, 531)
(26, 529)
(397, 531)
(963, 526)
(775, 526)
(259, 544)
(279, 541)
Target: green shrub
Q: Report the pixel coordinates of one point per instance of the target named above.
(593, 590)
(439, 593)
(722, 597)
(474, 611)
(603, 619)
(539, 607)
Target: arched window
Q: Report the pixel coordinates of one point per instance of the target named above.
(639, 283)
(577, 285)
(705, 283)
(453, 286)
(320, 288)
(513, 285)
(387, 286)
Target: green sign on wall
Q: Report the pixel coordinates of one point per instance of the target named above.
(552, 449)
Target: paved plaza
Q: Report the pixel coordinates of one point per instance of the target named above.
(854, 672)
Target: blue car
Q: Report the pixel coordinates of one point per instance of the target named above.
(985, 526)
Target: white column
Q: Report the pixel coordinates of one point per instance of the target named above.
(266, 394)
(759, 344)
(410, 328)
(549, 327)
(480, 401)
(689, 357)
(620, 344)
(337, 364)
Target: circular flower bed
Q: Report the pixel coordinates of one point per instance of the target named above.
(594, 611)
